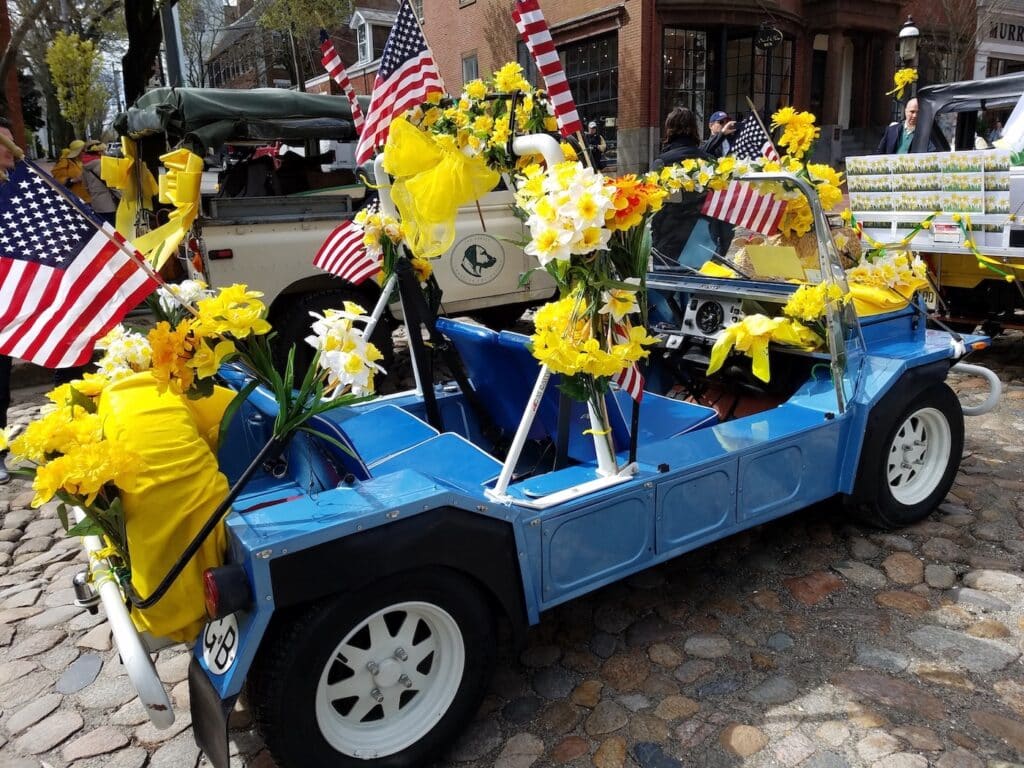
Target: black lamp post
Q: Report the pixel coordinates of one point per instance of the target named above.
(909, 34)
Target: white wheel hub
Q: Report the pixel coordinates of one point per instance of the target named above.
(390, 680)
(918, 456)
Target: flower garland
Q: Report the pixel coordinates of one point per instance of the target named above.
(480, 122)
(963, 222)
(798, 136)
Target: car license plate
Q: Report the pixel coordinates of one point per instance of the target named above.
(929, 299)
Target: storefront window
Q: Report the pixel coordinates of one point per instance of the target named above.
(685, 79)
(592, 68)
(721, 68)
(1004, 66)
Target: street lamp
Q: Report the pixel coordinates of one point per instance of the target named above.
(909, 33)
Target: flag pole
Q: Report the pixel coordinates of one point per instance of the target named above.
(19, 155)
(761, 123)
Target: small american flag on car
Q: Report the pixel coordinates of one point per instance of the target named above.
(343, 254)
(740, 203)
(407, 75)
(64, 279)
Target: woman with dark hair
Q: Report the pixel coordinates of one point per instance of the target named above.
(672, 225)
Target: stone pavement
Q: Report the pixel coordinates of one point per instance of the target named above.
(813, 641)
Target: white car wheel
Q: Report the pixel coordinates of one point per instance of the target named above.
(918, 456)
(390, 680)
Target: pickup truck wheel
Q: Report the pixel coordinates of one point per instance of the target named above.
(294, 323)
(382, 678)
(912, 466)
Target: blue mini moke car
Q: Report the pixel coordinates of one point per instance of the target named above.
(363, 588)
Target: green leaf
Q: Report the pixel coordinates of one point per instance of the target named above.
(233, 406)
(86, 527)
(83, 402)
(62, 514)
(332, 440)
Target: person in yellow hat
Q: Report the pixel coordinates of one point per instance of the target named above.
(68, 170)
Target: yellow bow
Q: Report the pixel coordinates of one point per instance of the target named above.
(751, 336)
(432, 179)
(136, 188)
(180, 188)
(876, 300)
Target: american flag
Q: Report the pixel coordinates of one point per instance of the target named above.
(332, 63)
(343, 254)
(629, 380)
(534, 30)
(407, 74)
(740, 203)
(753, 142)
(63, 282)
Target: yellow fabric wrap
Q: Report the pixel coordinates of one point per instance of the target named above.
(711, 269)
(176, 494)
(876, 300)
(180, 188)
(135, 183)
(432, 178)
(751, 336)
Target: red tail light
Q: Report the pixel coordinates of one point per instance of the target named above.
(221, 253)
(226, 590)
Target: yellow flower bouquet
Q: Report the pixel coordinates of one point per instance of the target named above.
(589, 232)
(75, 454)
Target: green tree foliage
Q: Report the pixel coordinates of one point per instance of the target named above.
(303, 17)
(75, 69)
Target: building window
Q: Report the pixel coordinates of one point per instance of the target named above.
(528, 64)
(417, 7)
(363, 43)
(685, 74)
(592, 69)
(721, 68)
(470, 68)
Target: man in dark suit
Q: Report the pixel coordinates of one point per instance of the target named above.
(898, 136)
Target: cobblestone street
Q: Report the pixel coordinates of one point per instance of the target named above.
(813, 641)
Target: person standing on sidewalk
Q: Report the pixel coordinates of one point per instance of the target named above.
(6, 164)
(104, 203)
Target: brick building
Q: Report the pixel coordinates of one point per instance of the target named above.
(630, 62)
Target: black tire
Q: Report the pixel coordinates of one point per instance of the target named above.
(910, 459)
(500, 318)
(288, 684)
(294, 322)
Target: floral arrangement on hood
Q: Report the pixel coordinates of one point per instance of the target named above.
(588, 232)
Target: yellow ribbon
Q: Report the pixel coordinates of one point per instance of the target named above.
(877, 300)
(178, 187)
(119, 173)
(711, 269)
(432, 178)
(751, 337)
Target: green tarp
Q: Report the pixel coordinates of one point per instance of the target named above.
(206, 118)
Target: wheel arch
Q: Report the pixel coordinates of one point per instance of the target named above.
(312, 284)
(477, 547)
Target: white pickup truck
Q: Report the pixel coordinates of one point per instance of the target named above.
(268, 235)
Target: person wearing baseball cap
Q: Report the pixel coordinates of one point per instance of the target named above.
(68, 170)
(596, 145)
(721, 127)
